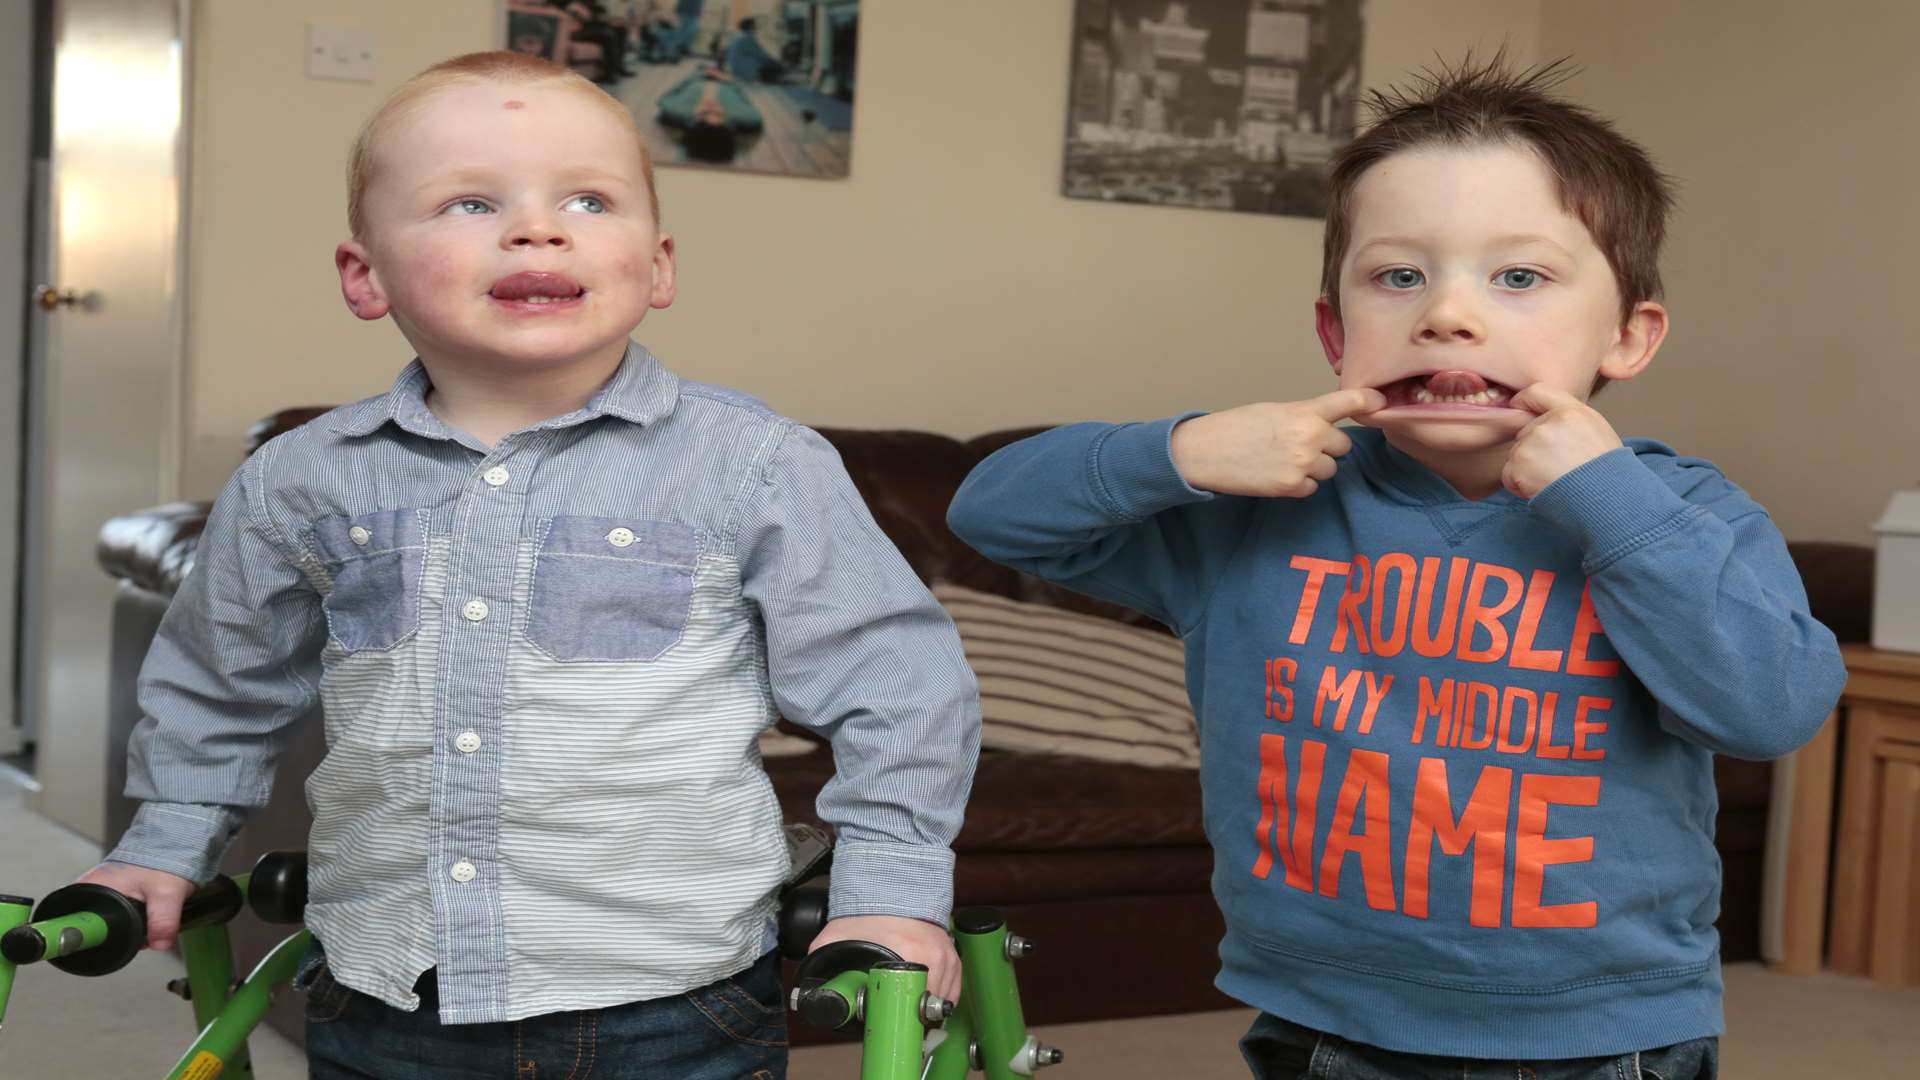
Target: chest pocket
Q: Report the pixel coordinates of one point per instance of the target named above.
(611, 588)
(376, 561)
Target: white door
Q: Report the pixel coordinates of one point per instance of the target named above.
(102, 429)
(16, 225)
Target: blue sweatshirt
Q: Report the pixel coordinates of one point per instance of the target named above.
(1456, 755)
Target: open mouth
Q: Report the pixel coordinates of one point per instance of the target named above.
(1452, 389)
(537, 289)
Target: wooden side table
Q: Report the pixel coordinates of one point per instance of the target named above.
(1874, 921)
(1872, 926)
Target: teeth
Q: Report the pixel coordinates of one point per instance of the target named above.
(545, 299)
(1489, 396)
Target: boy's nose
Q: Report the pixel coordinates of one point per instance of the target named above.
(1450, 320)
(536, 231)
(539, 238)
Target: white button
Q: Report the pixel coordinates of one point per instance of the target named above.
(620, 537)
(467, 743)
(359, 535)
(463, 871)
(496, 476)
(475, 610)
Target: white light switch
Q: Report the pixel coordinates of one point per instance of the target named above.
(335, 53)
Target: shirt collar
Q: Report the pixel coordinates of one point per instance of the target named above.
(640, 392)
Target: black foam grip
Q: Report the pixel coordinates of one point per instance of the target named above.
(23, 945)
(215, 902)
(277, 891)
(803, 914)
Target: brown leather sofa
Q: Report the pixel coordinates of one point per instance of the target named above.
(1103, 865)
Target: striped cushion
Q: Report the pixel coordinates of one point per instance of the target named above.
(1058, 682)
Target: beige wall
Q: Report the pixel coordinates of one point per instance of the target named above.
(1794, 361)
(266, 328)
(945, 285)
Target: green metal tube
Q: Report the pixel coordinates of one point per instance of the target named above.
(14, 911)
(892, 1049)
(208, 951)
(70, 934)
(222, 1044)
(993, 999)
(950, 1057)
(846, 988)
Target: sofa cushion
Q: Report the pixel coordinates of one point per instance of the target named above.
(1839, 581)
(1075, 874)
(907, 478)
(1059, 682)
(1040, 802)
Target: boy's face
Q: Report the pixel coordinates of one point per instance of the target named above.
(509, 224)
(1466, 282)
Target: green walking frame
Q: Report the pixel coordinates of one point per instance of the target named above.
(908, 1033)
(92, 930)
(855, 987)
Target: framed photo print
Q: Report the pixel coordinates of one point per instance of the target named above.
(1220, 104)
(755, 85)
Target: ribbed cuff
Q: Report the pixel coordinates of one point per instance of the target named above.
(1612, 505)
(1133, 470)
(908, 880)
(181, 838)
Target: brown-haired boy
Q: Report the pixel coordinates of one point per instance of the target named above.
(1458, 698)
(550, 594)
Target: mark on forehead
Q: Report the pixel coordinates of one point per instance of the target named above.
(516, 105)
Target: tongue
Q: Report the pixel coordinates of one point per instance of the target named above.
(1454, 383)
(525, 285)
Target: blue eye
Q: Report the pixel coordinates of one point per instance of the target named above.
(469, 206)
(1402, 277)
(592, 204)
(1519, 279)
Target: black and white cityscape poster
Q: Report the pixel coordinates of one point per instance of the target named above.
(1218, 104)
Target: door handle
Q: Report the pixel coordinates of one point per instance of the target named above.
(52, 299)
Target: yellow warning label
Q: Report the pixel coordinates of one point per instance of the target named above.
(204, 1066)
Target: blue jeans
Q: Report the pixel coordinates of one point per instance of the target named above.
(734, 1029)
(1278, 1050)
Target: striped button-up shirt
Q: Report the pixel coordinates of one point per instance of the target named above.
(544, 666)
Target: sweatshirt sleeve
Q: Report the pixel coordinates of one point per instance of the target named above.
(1694, 587)
(1103, 510)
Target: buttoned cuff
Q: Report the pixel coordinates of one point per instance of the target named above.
(187, 839)
(909, 880)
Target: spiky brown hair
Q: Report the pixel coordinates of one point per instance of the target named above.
(1603, 178)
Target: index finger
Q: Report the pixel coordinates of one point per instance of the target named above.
(1543, 398)
(1342, 404)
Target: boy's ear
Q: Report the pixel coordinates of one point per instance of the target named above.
(1333, 334)
(358, 283)
(1640, 337)
(664, 267)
